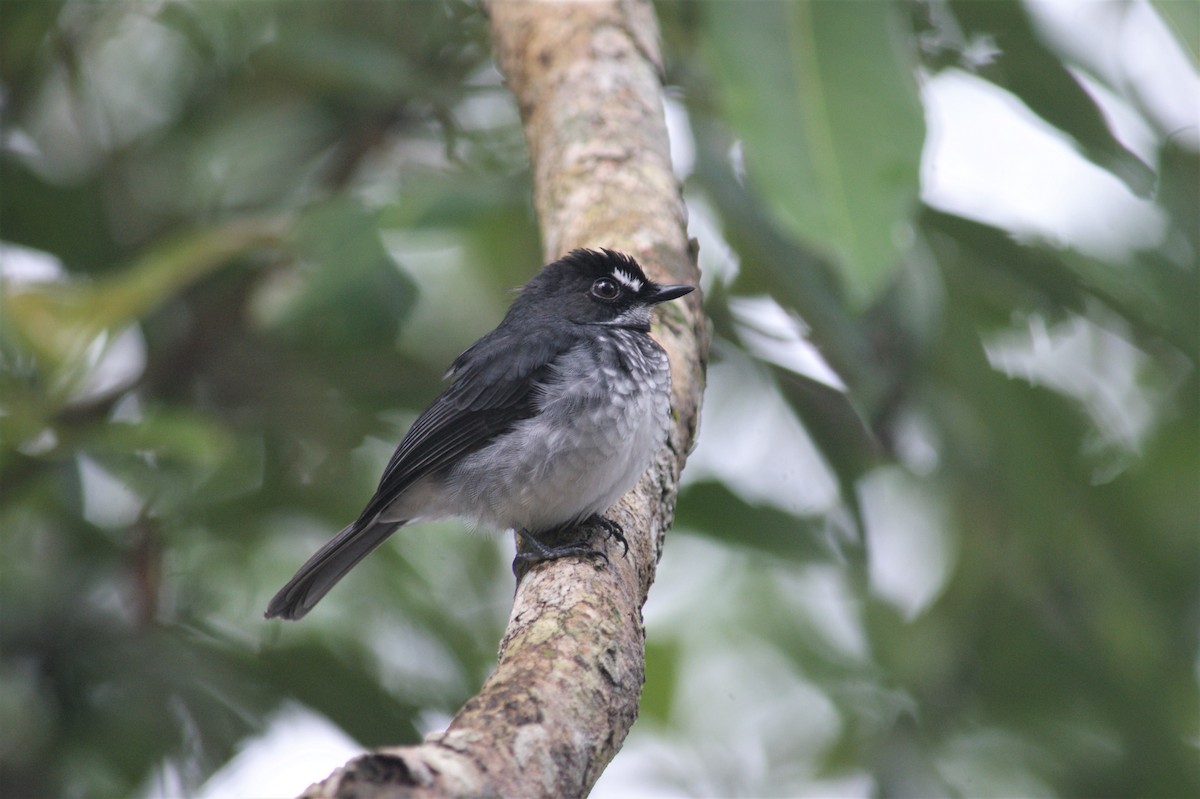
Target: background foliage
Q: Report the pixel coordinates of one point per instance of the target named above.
(242, 240)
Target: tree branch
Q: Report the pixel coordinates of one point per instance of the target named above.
(587, 78)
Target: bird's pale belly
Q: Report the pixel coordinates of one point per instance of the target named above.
(561, 473)
(601, 419)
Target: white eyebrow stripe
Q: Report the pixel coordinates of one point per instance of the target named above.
(627, 280)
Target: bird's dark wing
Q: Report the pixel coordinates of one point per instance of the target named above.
(495, 386)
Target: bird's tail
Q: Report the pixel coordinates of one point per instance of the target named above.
(323, 570)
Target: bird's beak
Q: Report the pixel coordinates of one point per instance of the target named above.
(664, 293)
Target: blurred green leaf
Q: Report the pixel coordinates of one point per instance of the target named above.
(345, 287)
(790, 273)
(344, 687)
(1147, 292)
(166, 457)
(22, 28)
(839, 430)
(240, 416)
(35, 213)
(60, 321)
(809, 86)
(712, 510)
(341, 63)
(166, 436)
(662, 676)
(1179, 193)
(1183, 18)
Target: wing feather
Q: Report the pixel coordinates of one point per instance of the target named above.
(496, 384)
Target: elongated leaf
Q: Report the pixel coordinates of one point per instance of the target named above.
(1158, 298)
(823, 97)
(715, 511)
(59, 321)
(1179, 195)
(790, 272)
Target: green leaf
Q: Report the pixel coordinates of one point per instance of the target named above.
(810, 87)
(837, 428)
(714, 511)
(788, 271)
(1183, 18)
(338, 62)
(58, 322)
(1179, 195)
(167, 457)
(662, 680)
(344, 686)
(345, 287)
(1155, 296)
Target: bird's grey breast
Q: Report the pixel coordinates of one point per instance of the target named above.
(602, 415)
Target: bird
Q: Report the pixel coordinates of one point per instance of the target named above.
(546, 421)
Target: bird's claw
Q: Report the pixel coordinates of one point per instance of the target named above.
(612, 529)
(538, 551)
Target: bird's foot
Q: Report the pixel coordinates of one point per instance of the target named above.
(537, 550)
(611, 529)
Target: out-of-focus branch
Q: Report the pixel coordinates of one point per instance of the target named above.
(587, 78)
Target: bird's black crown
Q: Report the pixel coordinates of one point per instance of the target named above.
(593, 287)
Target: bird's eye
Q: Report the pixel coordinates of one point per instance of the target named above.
(605, 288)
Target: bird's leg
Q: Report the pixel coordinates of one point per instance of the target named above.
(540, 551)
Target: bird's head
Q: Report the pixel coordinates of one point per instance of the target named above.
(599, 287)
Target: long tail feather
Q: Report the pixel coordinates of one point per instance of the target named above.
(329, 565)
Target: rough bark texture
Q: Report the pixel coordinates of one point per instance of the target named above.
(587, 78)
